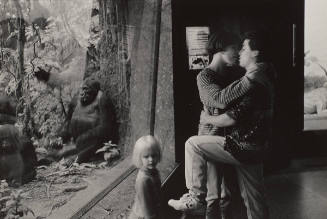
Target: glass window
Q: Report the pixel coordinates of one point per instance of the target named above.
(315, 69)
(48, 49)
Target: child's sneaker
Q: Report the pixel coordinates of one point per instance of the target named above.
(188, 203)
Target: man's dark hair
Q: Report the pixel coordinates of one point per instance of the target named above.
(220, 40)
(260, 41)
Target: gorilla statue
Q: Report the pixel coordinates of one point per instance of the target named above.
(17, 153)
(7, 111)
(90, 120)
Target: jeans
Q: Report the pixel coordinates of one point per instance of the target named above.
(204, 161)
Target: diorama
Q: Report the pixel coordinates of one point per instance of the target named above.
(71, 107)
(50, 107)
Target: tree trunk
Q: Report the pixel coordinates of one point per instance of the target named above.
(20, 75)
(20, 51)
(115, 67)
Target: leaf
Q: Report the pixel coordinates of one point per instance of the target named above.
(4, 199)
(103, 164)
(109, 156)
(87, 165)
(313, 59)
(74, 188)
(25, 210)
(13, 34)
(10, 203)
(58, 204)
(17, 194)
(103, 149)
(43, 167)
(40, 150)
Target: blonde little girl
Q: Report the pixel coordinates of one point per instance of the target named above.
(146, 156)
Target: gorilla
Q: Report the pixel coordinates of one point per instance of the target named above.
(17, 153)
(7, 111)
(90, 121)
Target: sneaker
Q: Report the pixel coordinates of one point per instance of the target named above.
(188, 203)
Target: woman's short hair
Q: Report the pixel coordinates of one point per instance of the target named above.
(260, 41)
(143, 143)
(219, 40)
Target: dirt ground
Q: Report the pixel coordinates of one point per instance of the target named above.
(55, 185)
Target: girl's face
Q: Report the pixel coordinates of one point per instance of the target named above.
(149, 158)
(230, 54)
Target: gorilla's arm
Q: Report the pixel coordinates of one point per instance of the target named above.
(104, 130)
(64, 129)
(56, 79)
(29, 159)
(42, 75)
(7, 119)
(7, 110)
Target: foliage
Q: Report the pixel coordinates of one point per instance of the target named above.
(315, 73)
(110, 152)
(308, 60)
(10, 203)
(4, 197)
(50, 44)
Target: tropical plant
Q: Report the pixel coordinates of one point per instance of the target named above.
(43, 42)
(10, 203)
(308, 60)
(315, 73)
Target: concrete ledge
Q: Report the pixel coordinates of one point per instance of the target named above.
(315, 122)
(105, 180)
(118, 202)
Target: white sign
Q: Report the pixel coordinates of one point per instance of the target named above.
(196, 41)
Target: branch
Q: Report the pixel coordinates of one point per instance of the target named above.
(62, 104)
(51, 44)
(74, 188)
(18, 8)
(322, 67)
(1, 51)
(48, 188)
(8, 70)
(1, 61)
(34, 44)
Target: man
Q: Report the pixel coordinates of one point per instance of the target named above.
(244, 147)
(223, 51)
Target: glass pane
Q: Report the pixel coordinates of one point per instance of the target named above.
(315, 70)
(78, 78)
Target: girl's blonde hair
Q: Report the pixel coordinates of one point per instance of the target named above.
(143, 143)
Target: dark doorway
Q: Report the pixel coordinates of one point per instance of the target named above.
(276, 17)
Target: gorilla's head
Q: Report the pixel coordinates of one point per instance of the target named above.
(6, 106)
(9, 139)
(89, 91)
(7, 111)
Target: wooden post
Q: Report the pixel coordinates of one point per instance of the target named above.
(155, 68)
